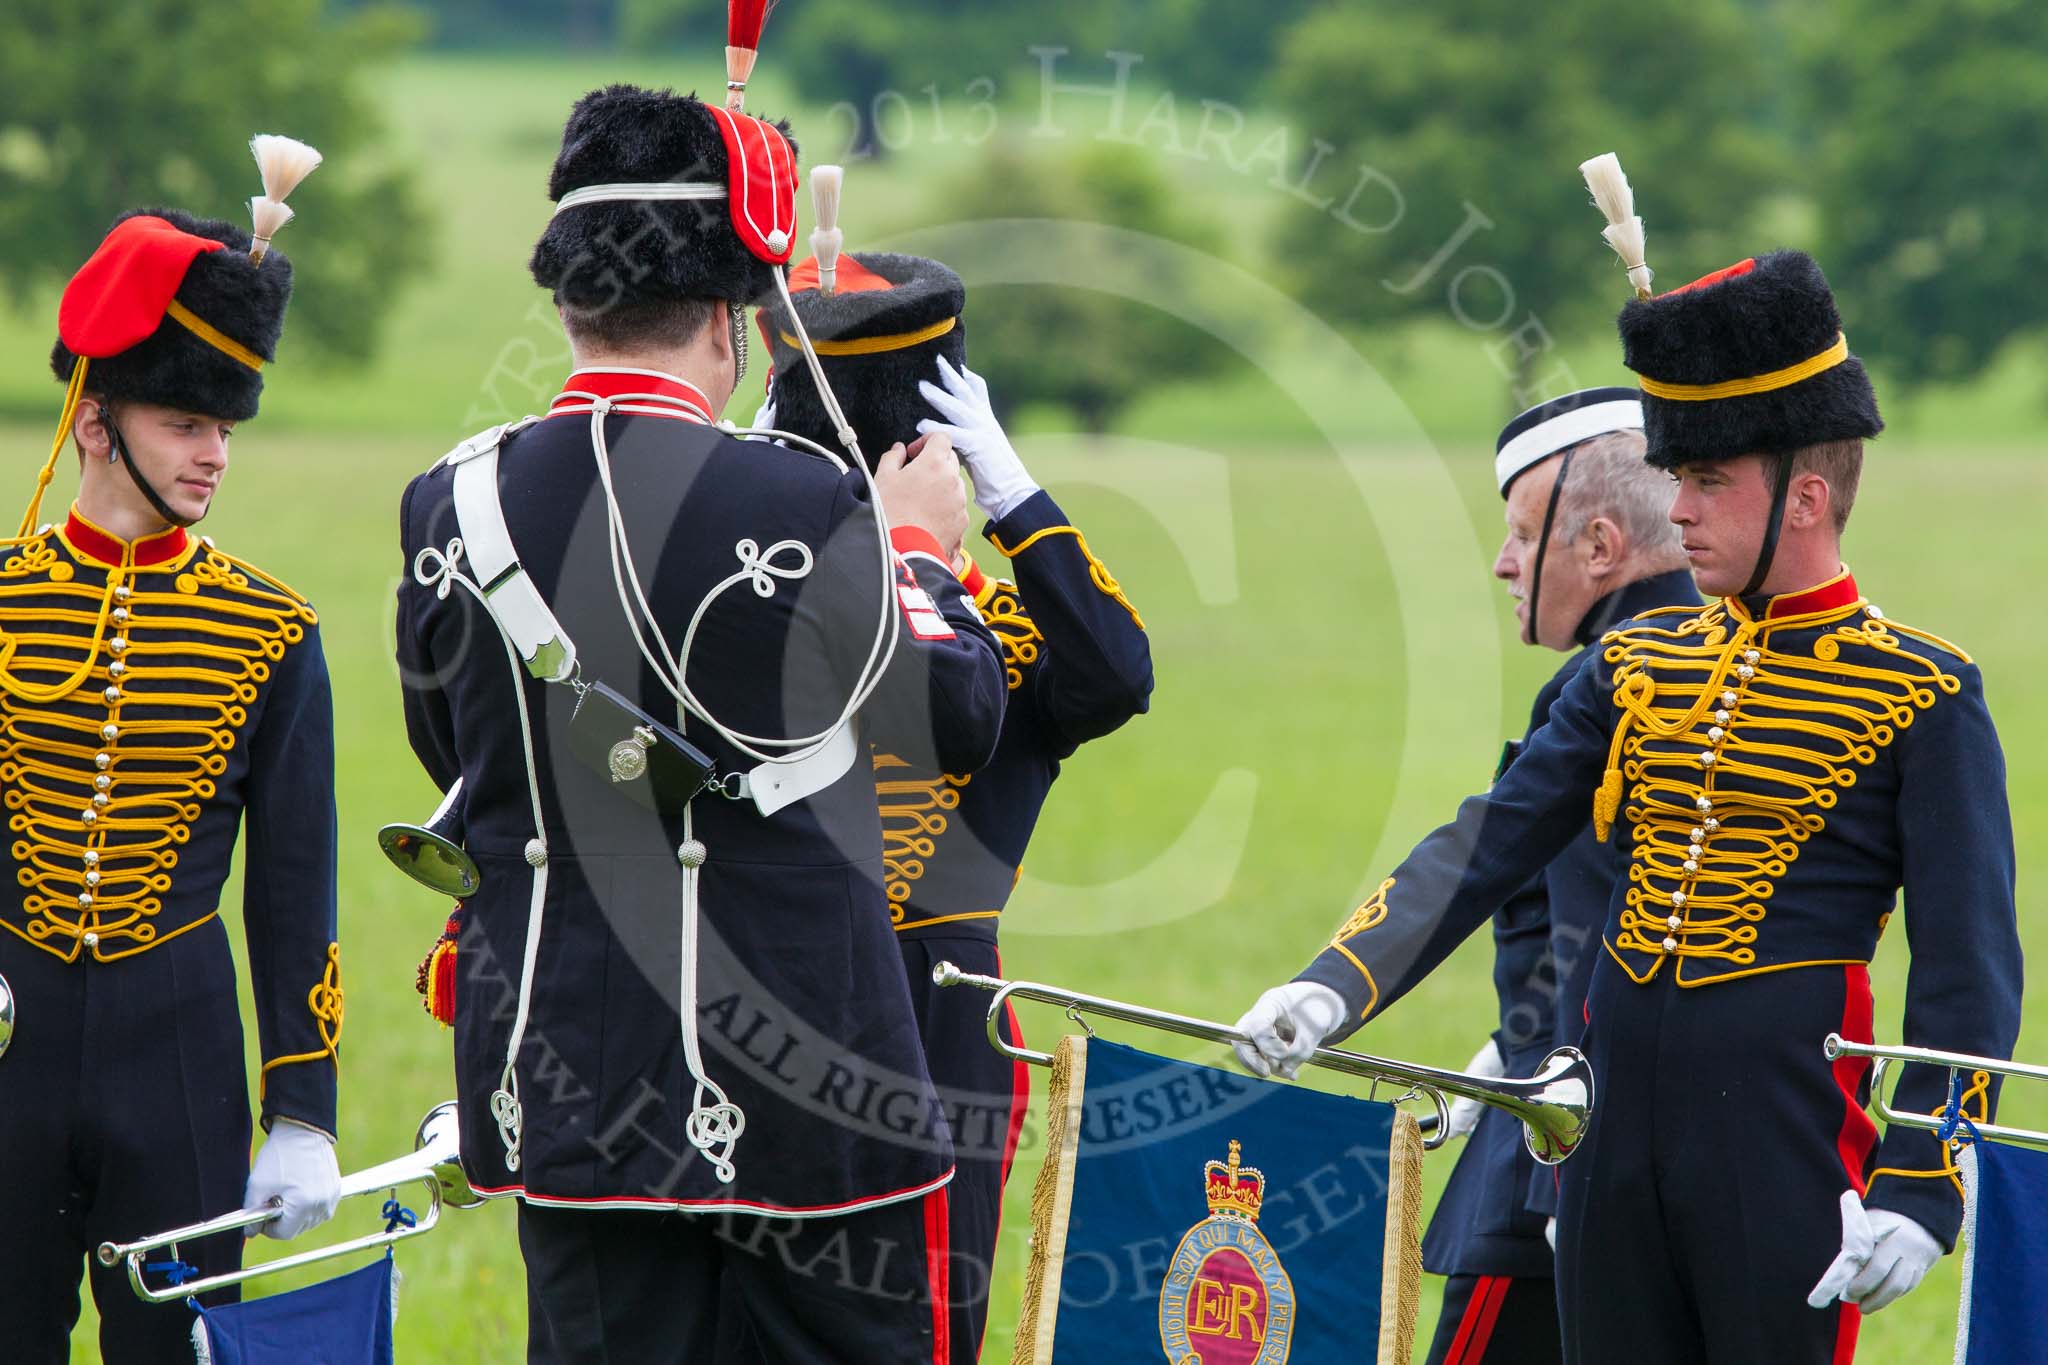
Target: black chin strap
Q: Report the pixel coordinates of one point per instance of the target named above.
(154, 499)
(1769, 551)
(1564, 467)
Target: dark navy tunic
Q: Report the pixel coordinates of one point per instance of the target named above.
(803, 1016)
(1077, 665)
(1775, 772)
(159, 697)
(1491, 1216)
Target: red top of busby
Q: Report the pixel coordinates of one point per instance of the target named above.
(119, 296)
(760, 183)
(1730, 272)
(852, 276)
(744, 20)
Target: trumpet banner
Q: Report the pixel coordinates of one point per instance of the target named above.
(1202, 1217)
(2004, 1314)
(342, 1321)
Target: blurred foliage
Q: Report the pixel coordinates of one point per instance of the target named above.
(1458, 130)
(497, 24)
(1931, 175)
(1084, 349)
(107, 105)
(856, 50)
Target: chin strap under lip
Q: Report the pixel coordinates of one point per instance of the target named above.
(127, 459)
(1769, 550)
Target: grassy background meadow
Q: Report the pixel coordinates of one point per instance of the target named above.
(1334, 668)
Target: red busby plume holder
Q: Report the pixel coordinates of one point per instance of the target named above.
(744, 20)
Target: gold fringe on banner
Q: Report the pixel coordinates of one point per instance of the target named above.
(1401, 1269)
(1051, 1198)
(1053, 1194)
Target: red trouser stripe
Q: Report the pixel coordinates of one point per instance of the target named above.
(1020, 1096)
(1845, 1333)
(1475, 1329)
(1020, 1104)
(1859, 1135)
(937, 1265)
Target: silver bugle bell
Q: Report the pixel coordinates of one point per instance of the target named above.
(432, 854)
(6, 1015)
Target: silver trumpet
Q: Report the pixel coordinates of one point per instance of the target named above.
(1836, 1046)
(435, 1163)
(432, 854)
(1555, 1105)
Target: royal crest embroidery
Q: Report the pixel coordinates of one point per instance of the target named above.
(1226, 1299)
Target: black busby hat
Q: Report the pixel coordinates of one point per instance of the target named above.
(882, 329)
(1750, 359)
(172, 309)
(660, 196)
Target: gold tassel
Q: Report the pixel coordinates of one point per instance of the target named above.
(1606, 804)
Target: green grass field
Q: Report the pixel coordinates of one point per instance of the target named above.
(1334, 668)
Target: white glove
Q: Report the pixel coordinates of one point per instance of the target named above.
(1550, 1232)
(296, 1165)
(1884, 1254)
(1465, 1113)
(764, 418)
(1286, 1026)
(1000, 480)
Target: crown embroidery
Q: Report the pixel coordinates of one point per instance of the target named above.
(1234, 1191)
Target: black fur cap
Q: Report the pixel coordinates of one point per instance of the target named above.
(877, 392)
(241, 298)
(1737, 324)
(598, 255)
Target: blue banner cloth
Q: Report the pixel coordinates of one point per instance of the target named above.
(342, 1321)
(2004, 1316)
(1202, 1217)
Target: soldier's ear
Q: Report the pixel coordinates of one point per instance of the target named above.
(89, 427)
(1603, 545)
(1808, 502)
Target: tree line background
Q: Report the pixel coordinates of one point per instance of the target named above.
(1901, 141)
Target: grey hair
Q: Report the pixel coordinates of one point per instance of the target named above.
(1609, 478)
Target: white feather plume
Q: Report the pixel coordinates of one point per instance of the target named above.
(283, 162)
(269, 215)
(1616, 201)
(826, 238)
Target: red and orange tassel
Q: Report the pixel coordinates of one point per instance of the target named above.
(436, 978)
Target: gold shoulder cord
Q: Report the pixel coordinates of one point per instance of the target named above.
(1635, 690)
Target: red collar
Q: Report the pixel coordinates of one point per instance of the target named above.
(973, 579)
(652, 394)
(114, 552)
(1833, 595)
